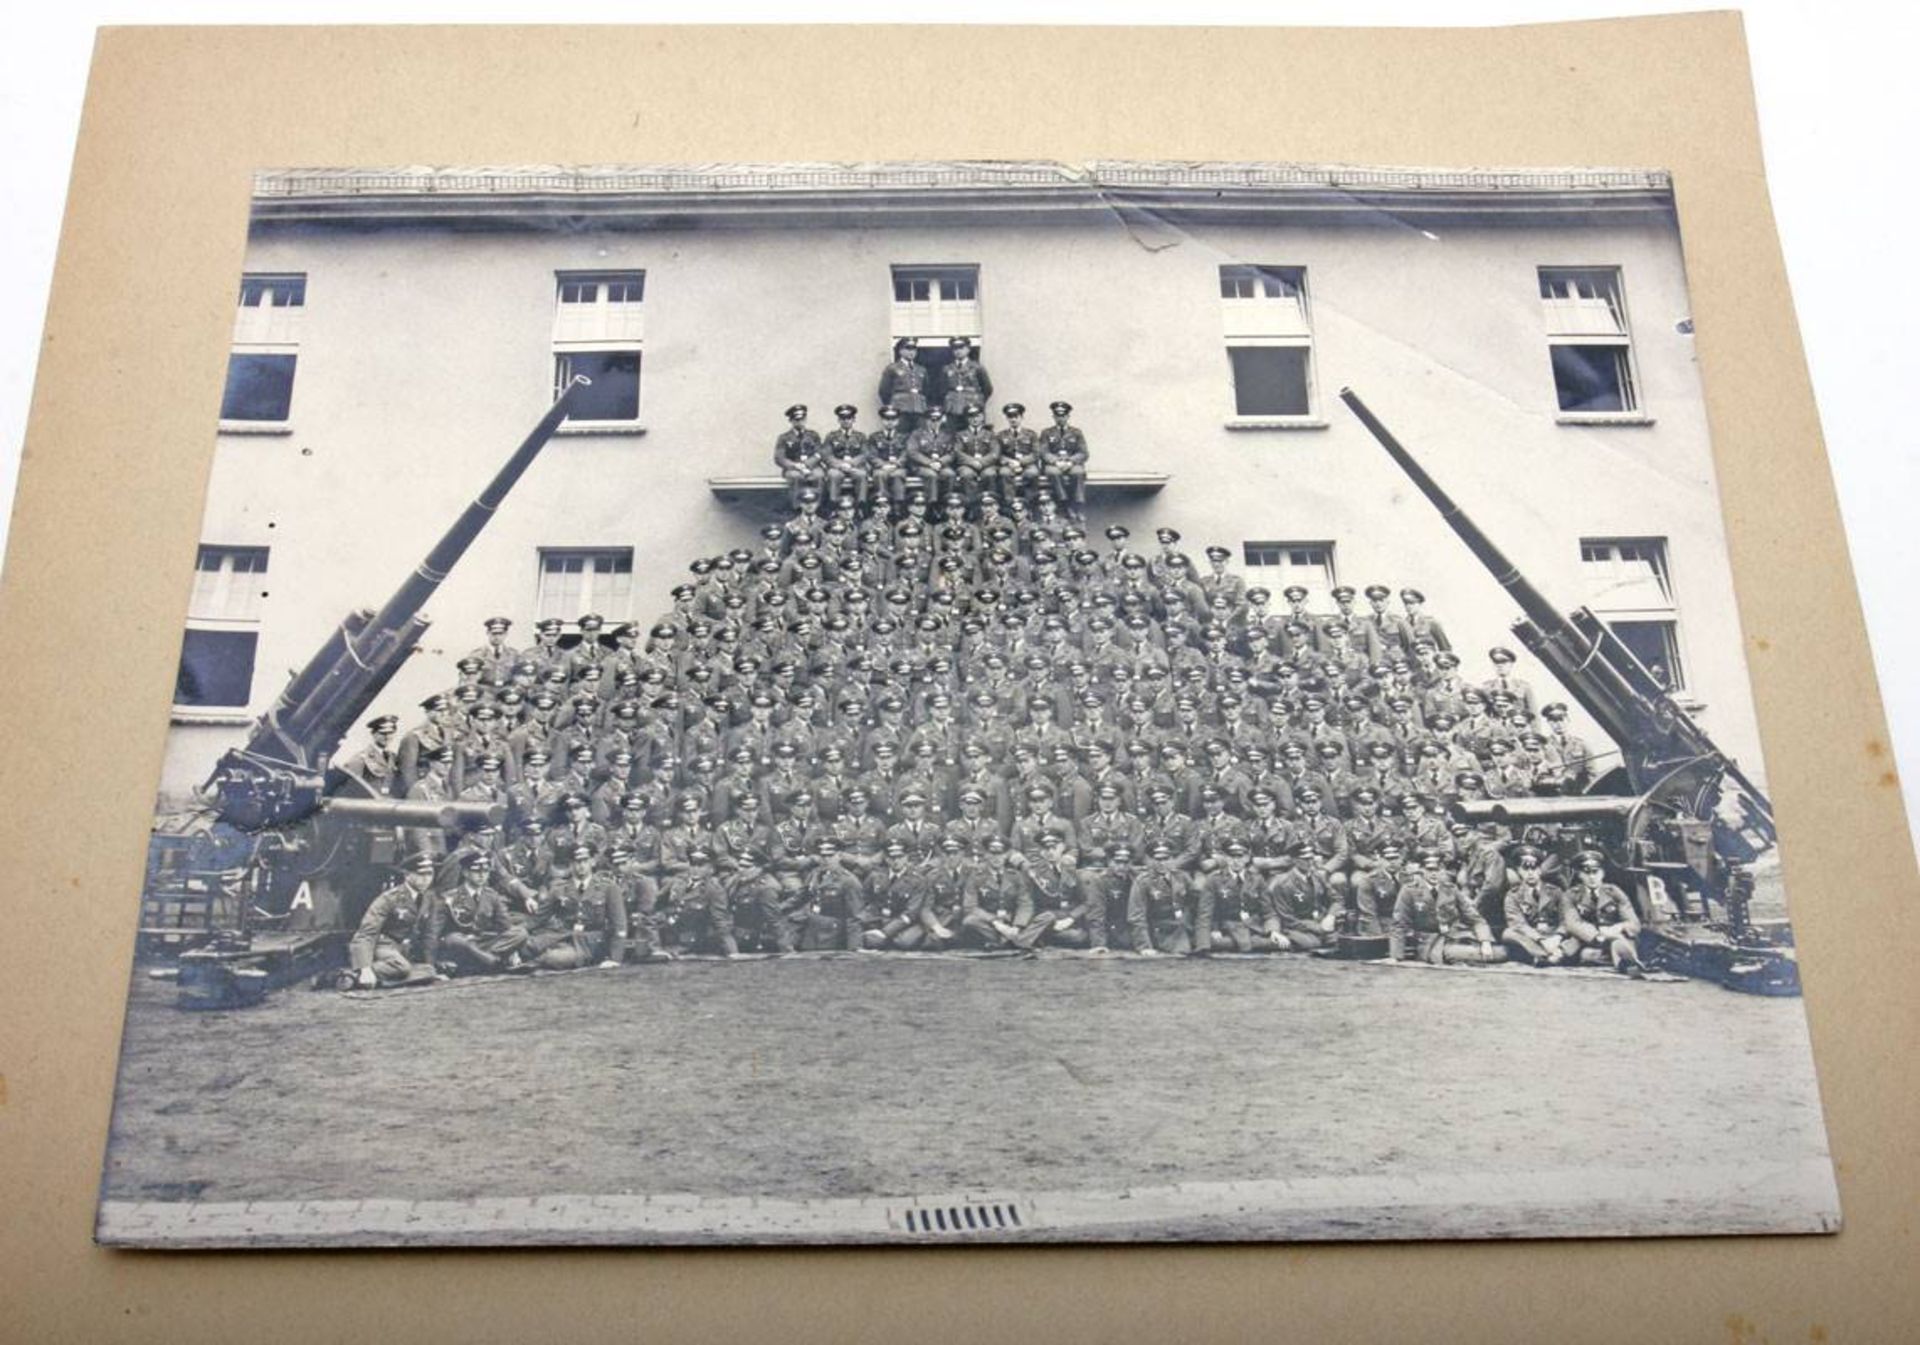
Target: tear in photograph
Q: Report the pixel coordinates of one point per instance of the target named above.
(962, 702)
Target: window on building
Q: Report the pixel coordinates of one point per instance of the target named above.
(1277, 566)
(1269, 338)
(575, 581)
(598, 331)
(1589, 342)
(1629, 588)
(936, 303)
(223, 628)
(266, 341)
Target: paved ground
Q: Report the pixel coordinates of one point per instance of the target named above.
(885, 1079)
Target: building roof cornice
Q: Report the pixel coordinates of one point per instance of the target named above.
(692, 194)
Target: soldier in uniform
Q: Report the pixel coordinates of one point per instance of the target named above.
(930, 463)
(967, 385)
(797, 455)
(744, 860)
(1504, 681)
(899, 909)
(1221, 582)
(1018, 459)
(1576, 761)
(1329, 848)
(700, 914)
(576, 830)
(472, 923)
(378, 766)
(433, 786)
(1434, 922)
(833, 907)
(1233, 908)
(496, 657)
(1158, 905)
(1390, 635)
(846, 459)
(1483, 873)
(1535, 909)
(903, 385)
(887, 461)
(436, 732)
(1421, 628)
(1063, 460)
(976, 458)
(1600, 918)
(639, 892)
(582, 917)
(381, 951)
(1065, 911)
(996, 901)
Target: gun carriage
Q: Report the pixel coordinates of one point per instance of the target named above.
(291, 849)
(1678, 820)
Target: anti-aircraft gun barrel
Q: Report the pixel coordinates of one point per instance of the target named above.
(279, 775)
(1531, 601)
(1661, 745)
(416, 813)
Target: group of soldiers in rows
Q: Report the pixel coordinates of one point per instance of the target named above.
(953, 731)
(937, 444)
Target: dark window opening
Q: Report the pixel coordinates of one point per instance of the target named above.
(216, 668)
(615, 394)
(1269, 380)
(1593, 378)
(1656, 645)
(259, 387)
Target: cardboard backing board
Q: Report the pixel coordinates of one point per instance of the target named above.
(111, 494)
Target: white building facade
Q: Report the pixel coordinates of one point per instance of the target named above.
(1526, 334)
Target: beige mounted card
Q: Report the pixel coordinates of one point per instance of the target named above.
(1034, 684)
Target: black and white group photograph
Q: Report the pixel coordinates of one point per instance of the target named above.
(955, 702)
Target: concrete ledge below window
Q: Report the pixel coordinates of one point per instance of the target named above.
(1276, 423)
(1099, 484)
(1603, 418)
(256, 427)
(599, 427)
(221, 716)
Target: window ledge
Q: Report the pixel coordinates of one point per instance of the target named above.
(1276, 423)
(256, 427)
(194, 714)
(1603, 418)
(576, 429)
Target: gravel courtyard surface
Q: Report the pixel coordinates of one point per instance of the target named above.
(848, 1075)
